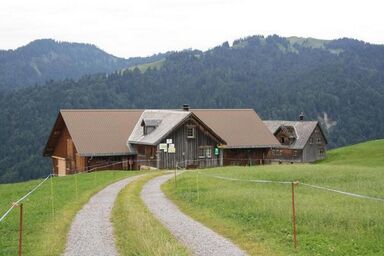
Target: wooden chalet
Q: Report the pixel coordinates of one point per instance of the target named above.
(97, 139)
(300, 141)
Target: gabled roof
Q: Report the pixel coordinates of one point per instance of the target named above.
(303, 130)
(168, 120)
(98, 132)
(240, 128)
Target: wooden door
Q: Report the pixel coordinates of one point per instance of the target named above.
(61, 167)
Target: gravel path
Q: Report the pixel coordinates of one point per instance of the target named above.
(91, 231)
(198, 238)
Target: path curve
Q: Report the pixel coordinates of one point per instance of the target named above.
(198, 238)
(91, 231)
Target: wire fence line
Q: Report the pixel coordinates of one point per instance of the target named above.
(15, 204)
(297, 182)
(24, 197)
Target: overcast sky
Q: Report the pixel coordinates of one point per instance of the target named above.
(128, 28)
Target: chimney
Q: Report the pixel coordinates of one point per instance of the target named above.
(301, 116)
(185, 107)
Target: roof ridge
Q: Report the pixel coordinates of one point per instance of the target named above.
(100, 110)
(222, 109)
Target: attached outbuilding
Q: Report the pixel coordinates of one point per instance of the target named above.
(300, 141)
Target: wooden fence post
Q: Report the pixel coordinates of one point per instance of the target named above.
(197, 185)
(294, 184)
(175, 175)
(21, 229)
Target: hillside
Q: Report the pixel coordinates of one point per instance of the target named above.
(339, 82)
(258, 215)
(370, 153)
(47, 217)
(46, 59)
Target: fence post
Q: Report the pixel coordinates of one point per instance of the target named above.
(21, 229)
(77, 193)
(52, 201)
(175, 175)
(197, 185)
(295, 183)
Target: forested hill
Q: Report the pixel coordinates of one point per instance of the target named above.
(46, 59)
(340, 83)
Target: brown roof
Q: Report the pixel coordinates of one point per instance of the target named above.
(240, 128)
(100, 132)
(97, 132)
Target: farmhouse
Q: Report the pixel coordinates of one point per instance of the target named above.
(97, 139)
(300, 141)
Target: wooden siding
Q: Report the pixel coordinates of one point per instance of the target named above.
(314, 146)
(286, 155)
(187, 153)
(246, 156)
(65, 155)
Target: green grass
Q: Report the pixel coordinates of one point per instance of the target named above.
(369, 153)
(154, 65)
(257, 216)
(137, 232)
(44, 235)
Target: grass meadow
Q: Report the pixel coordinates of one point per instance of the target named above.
(136, 230)
(45, 231)
(258, 216)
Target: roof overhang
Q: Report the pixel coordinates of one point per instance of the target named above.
(108, 154)
(249, 146)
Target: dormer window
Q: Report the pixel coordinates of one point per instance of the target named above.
(148, 129)
(149, 125)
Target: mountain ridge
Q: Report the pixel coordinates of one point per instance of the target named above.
(46, 59)
(344, 91)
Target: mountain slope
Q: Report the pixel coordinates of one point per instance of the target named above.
(46, 59)
(340, 83)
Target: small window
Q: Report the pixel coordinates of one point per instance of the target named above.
(201, 152)
(190, 132)
(208, 152)
(319, 140)
(321, 151)
(294, 153)
(282, 140)
(148, 129)
(311, 140)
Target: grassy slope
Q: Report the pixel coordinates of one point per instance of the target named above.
(44, 235)
(137, 232)
(154, 65)
(258, 216)
(369, 153)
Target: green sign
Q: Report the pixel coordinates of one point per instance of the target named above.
(216, 151)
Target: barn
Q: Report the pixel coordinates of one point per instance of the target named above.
(98, 139)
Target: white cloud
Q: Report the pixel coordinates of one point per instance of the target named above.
(134, 28)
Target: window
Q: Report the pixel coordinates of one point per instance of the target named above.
(319, 140)
(294, 153)
(201, 152)
(190, 132)
(311, 140)
(208, 152)
(148, 129)
(322, 152)
(282, 140)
